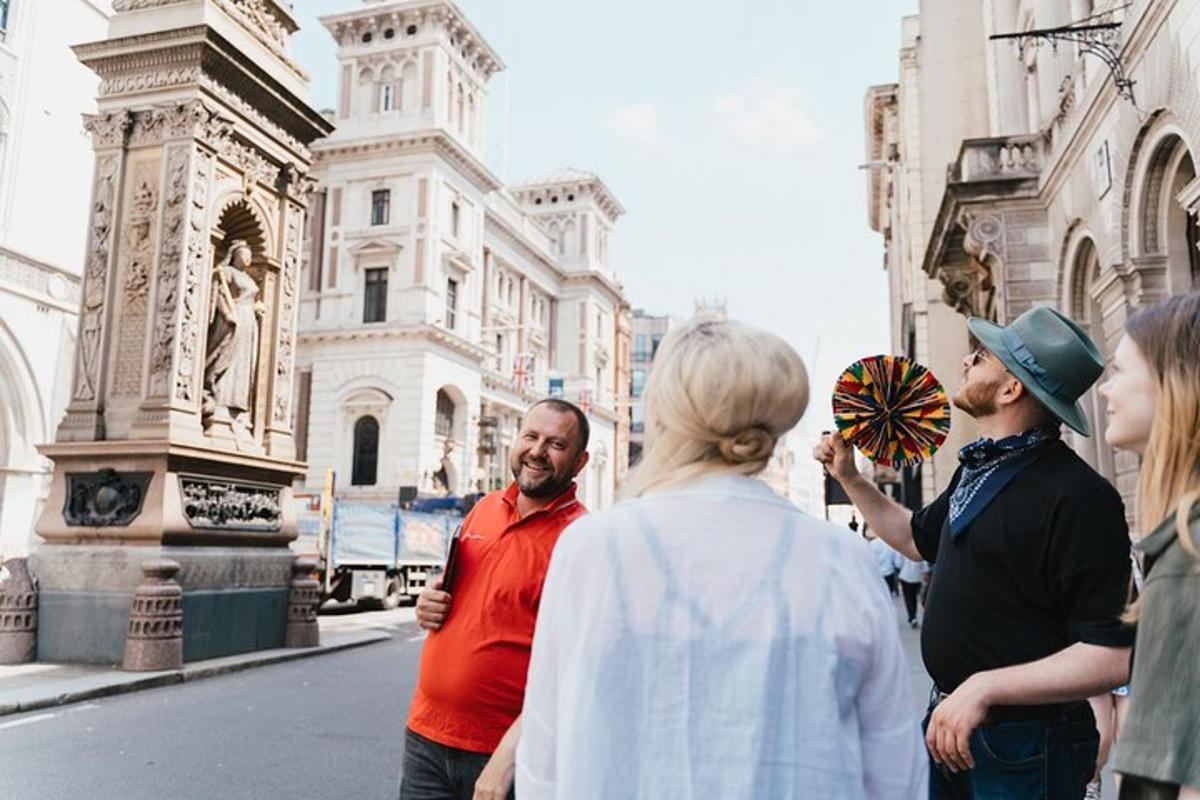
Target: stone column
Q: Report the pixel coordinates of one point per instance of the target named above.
(178, 442)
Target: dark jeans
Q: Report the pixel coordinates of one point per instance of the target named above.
(911, 592)
(1036, 759)
(890, 580)
(434, 771)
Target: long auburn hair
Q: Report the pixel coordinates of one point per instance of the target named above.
(1168, 335)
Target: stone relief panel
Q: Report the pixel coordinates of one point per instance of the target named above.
(104, 498)
(134, 267)
(230, 505)
(287, 318)
(95, 279)
(187, 371)
(169, 266)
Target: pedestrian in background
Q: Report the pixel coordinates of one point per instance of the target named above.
(912, 573)
(705, 638)
(1153, 397)
(887, 559)
(1031, 570)
(464, 722)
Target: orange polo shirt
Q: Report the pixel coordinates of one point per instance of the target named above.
(471, 682)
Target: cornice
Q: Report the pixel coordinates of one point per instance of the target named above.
(135, 65)
(435, 140)
(423, 331)
(347, 28)
(593, 185)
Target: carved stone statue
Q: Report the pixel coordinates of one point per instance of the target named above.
(229, 367)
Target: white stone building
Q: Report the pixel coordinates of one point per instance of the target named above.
(1060, 190)
(44, 160)
(438, 303)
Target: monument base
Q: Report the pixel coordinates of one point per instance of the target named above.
(234, 599)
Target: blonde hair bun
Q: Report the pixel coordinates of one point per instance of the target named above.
(718, 398)
(750, 445)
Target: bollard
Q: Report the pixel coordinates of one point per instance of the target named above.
(304, 595)
(154, 638)
(18, 614)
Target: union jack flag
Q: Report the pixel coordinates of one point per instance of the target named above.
(585, 401)
(522, 372)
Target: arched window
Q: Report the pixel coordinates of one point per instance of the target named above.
(1166, 227)
(443, 421)
(387, 97)
(1085, 308)
(366, 452)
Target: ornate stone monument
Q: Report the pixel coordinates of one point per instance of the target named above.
(177, 442)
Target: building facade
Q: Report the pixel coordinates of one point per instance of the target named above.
(648, 333)
(43, 148)
(439, 303)
(1061, 189)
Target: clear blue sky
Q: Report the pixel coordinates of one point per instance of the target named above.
(731, 133)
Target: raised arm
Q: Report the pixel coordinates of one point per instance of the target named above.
(891, 521)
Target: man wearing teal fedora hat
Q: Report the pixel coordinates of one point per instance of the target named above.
(1031, 555)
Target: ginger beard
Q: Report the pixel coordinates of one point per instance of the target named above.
(977, 397)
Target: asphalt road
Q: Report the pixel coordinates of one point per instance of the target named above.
(324, 727)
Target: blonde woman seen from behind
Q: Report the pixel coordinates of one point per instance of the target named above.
(1153, 396)
(704, 638)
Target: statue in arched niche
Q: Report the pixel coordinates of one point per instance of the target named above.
(232, 354)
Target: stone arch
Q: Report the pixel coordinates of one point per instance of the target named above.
(570, 239)
(1157, 228)
(458, 417)
(238, 217)
(1082, 270)
(358, 398)
(366, 94)
(408, 87)
(22, 426)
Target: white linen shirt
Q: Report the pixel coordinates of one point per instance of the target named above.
(714, 641)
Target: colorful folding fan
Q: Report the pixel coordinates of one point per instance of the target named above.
(892, 409)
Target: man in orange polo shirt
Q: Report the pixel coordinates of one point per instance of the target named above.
(464, 722)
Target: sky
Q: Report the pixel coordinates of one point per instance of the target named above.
(731, 134)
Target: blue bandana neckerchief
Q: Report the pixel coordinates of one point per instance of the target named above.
(988, 466)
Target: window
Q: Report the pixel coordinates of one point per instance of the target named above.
(637, 422)
(455, 217)
(4, 4)
(499, 353)
(375, 295)
(443, 421)
(387, 99)
(381, 206)
(451, 303)
(366, 452)
(641, 347)
(655, 341)
(638, 383)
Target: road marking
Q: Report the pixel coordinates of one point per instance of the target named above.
(73, 709)
(26, 720)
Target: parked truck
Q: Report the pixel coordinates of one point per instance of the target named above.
(375, 554)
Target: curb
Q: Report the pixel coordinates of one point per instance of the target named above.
(194, 672)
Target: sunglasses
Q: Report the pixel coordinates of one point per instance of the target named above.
(977, 355)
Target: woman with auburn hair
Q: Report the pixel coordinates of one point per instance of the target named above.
(705, 638)
(1153, 399)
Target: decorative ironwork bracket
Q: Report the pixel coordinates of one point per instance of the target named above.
(1101, 39)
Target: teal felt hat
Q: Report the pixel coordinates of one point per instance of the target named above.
(1050, 355)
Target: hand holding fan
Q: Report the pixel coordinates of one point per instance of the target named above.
(892, 409)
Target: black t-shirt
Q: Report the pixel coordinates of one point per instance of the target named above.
(1045, 565)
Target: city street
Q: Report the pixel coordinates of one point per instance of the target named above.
(330, 726)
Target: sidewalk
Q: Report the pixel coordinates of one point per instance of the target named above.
(28, 687)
